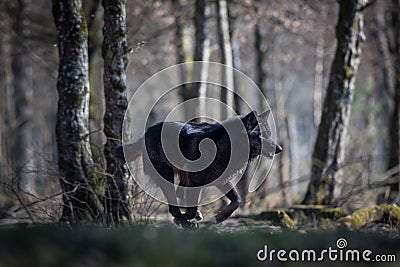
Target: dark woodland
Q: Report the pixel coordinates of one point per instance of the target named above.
(70, 75)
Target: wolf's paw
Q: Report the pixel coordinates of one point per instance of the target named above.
(186, 224)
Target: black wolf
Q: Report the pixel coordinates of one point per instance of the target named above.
(256, 131)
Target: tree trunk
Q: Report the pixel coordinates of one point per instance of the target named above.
(263, 42)
(328, 152)
(261, 75)
(394, 132)
(115, 63)
(384, 48)
(202, 53)
(202, 12)
(180, 52)
(179, 44)
(6, 98)
(237, 105)
(203, 86)
(225, 43)
(261, 56)
(74, 156)
(96, 102)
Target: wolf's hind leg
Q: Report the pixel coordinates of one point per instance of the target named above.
(228, 210)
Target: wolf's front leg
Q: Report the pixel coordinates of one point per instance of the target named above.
(180, 218)
(193, 213)
(167, 173)
(191, 197)
(228, 210)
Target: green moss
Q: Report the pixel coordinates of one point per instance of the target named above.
(385, 213)
(83, 26)
(348, 71)
(391, 214)
(320, 211)
(98, 182)
(287, 221)
(360, 217)
(335, 212)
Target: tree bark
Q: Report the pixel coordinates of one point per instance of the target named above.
(328, 154)
(96, 103)
(115, 64)
(384, 48)
(394, 132)
(6, 99)
(74, 155)
(204, 77)
(180, 54)
(261, 56)
(261, 48)
(202, 53)
(225, 44)
(202, 12)
(179, 43)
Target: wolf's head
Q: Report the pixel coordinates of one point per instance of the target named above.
(259, 135)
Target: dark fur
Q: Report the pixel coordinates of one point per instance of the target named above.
(190, 136)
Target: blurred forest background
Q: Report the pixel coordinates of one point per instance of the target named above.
(329, 69)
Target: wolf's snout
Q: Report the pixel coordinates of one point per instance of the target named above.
(278, 149)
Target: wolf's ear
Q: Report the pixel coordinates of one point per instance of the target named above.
(264, 115)
(250, 120)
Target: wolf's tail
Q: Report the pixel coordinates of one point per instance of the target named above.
(132, 151)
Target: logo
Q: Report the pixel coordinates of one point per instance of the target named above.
(340, 253)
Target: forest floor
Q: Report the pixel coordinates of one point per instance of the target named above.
(235, 242)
